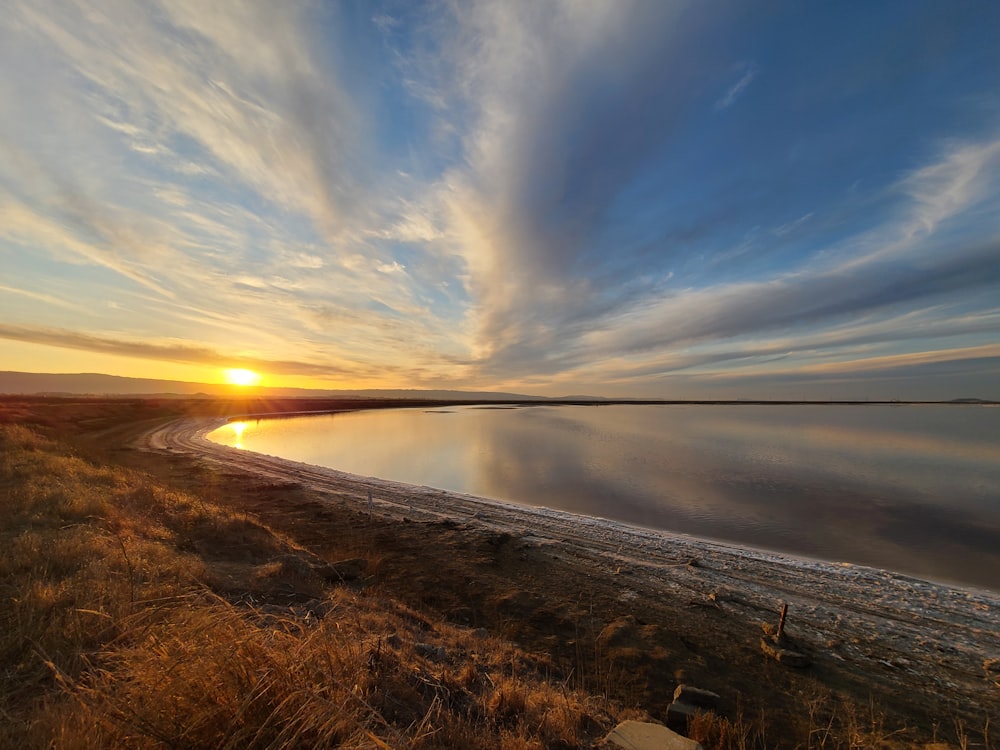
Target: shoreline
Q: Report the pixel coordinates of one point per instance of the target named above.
(759, 554)
(194, 437)
(907, 564)
(850, 619)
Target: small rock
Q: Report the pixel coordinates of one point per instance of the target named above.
(642, 735)
(782, 655)
(696, 697)
(394, 640)
(318, 608)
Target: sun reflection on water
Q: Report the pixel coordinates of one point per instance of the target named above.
(238, 429)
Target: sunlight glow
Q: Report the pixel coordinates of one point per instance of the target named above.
(239, 376)
(238, 429)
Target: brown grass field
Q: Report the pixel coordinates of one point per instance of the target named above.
(150, 601)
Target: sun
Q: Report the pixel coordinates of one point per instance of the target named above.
(239, 376)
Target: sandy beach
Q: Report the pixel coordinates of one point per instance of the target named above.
(913, 643)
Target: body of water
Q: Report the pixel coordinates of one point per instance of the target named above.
(915, 489)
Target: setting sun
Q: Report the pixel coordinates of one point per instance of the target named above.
(239, 376)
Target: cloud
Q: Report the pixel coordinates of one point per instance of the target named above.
(238, 87)
(748, 73)
(175, 351)
(798, 299)
(539, 312)
(791, 226)
(48, 299)
(27, 226)
(851, 348)
(213, 156)
(547, 162)
(894, 361)
(482, 191)
(172, 352)
(967, 174)
(566, 110)
(566, 104)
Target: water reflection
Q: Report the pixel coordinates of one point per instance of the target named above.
(238, 429)
(915, 489)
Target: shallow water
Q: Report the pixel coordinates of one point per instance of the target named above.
(914, 489)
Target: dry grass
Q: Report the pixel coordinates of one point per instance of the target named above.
(123, 627)
(213, 675)
(834, 724)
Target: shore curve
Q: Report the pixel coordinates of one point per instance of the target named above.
(853, 619)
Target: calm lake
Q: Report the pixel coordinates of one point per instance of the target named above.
(915, 489)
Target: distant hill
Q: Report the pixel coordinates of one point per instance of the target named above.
(96, 384)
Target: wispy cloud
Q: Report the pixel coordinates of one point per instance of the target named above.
(892, 361)
(170, 352)
(182, 352)
(48, 299)
(222, 112)
(967, 175)
(747, 72)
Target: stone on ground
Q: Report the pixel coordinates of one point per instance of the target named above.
(696, 697)
(641, 735)
(773, 648)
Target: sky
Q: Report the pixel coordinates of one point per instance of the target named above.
(648, 198)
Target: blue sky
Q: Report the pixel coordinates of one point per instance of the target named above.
(704, 199)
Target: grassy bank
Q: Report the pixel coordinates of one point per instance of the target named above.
(163, 609)
(136, 615)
